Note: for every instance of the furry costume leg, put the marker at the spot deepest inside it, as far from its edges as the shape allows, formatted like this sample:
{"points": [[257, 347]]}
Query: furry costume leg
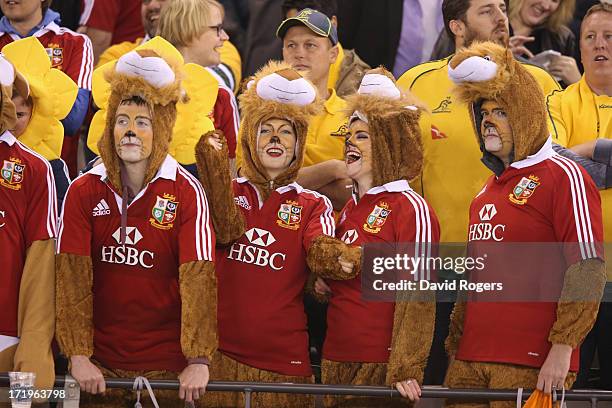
{"points": [[224, 368], [466, 374], [126, 398], [333, 372]]}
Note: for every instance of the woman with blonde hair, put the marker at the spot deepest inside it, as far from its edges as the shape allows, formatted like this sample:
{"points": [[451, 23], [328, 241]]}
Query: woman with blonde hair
{"points": [[541, 25]]}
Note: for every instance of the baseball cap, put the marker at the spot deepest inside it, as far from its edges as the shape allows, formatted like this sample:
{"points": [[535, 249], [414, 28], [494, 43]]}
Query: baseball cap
{"points": [[316, 21]]}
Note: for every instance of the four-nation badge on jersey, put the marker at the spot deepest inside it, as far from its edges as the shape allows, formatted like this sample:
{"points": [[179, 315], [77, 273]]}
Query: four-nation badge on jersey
{"points": [[289, 215], [164, 212], [377, 218], [524, 189], [12, 173]]}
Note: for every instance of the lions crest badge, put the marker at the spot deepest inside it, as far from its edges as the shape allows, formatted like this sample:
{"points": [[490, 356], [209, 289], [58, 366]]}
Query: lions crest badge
{"points": [[377, 218], [524, 189], [164, 212], [12, 173], [56, 55], [289, 215]]}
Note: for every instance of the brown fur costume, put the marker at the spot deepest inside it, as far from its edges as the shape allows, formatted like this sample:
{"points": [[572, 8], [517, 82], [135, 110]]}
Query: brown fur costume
{"points": [[229, 223], [197, 282], [35, 318], [396, 140], [224, 368], [518, 93], [463, 374]]}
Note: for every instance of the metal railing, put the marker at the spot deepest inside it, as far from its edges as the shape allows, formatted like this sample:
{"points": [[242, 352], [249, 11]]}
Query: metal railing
{"points": [[593, 396]]}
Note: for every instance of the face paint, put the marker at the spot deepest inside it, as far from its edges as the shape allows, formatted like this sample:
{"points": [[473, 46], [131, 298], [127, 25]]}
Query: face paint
{"points": [[276, 145], [495, 131], [358, 150], [133, 133], [24, 114]]}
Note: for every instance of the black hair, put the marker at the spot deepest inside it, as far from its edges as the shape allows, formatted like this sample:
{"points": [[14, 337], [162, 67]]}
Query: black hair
{"points": [[454, 10], [134, 99]]}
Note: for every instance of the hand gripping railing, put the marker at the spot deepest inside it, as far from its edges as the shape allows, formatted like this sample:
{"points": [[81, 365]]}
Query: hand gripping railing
{"points": [[594, 396]]}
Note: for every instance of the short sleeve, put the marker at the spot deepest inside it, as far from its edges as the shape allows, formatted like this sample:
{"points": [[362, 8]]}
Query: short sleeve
{"points": [[556, 125], [196, 236], [75, 222], [321, 221], [577, 213], [41, 218]]}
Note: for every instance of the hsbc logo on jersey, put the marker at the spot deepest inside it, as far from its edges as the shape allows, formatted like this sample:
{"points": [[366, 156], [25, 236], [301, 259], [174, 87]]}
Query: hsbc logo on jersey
{"points": [[256, 253], [485, 231], [127, 255], [487, 212], [350, 236]]}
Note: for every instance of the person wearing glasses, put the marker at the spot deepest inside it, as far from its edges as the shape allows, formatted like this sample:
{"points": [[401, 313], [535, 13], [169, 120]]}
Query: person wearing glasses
{"points": [[195, 28], [228, 72]]}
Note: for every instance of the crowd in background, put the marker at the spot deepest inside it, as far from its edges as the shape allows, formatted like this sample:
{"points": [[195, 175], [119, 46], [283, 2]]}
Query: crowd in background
{"points": [[411, 38]]}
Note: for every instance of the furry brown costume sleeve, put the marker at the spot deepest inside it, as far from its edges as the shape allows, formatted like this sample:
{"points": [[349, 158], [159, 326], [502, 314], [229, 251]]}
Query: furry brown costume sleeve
{"points": [[583, 287], [36, 315], [74, 304], [198, 288], [323, 256], [413, 329], [214, 173], [455, 329]]}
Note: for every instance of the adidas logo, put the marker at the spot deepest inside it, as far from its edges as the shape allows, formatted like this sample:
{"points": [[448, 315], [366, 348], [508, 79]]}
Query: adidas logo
{"points": [[101, 209]]}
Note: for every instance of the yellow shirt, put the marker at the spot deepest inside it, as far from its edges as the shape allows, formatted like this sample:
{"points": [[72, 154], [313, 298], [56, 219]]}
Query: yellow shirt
{"points": [[576, 116], [325, 139], [452, 171]]}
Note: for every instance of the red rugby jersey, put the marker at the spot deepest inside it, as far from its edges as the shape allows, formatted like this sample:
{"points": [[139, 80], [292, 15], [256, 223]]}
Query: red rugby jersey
{"points": [[261, 278], [545, 198], [71, 53], [120, 17], [137, 304], [28, 213], [358, 330]]}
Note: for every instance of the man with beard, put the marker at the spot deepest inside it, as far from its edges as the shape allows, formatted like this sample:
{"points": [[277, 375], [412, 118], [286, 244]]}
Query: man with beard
{"points": [[451, 176]]}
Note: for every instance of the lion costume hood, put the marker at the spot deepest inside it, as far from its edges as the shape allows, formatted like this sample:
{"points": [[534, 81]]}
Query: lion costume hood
{"points": [[487, 71], [393, 119], [277, 91], [145, 74], [10, 78]]}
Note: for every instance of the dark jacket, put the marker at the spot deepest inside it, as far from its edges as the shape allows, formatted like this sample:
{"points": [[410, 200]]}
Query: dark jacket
{"points": [[372, 29]]}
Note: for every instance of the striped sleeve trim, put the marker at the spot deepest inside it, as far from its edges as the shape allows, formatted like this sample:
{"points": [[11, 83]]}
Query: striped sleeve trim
{"points": [[51, 218], [327, 217], [580, 206], [423, 234], [203, 234]]}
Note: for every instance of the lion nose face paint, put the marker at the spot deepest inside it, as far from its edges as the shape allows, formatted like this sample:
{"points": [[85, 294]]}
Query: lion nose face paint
{"points": [[495, 130], [133, 132], [276, 144]]}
